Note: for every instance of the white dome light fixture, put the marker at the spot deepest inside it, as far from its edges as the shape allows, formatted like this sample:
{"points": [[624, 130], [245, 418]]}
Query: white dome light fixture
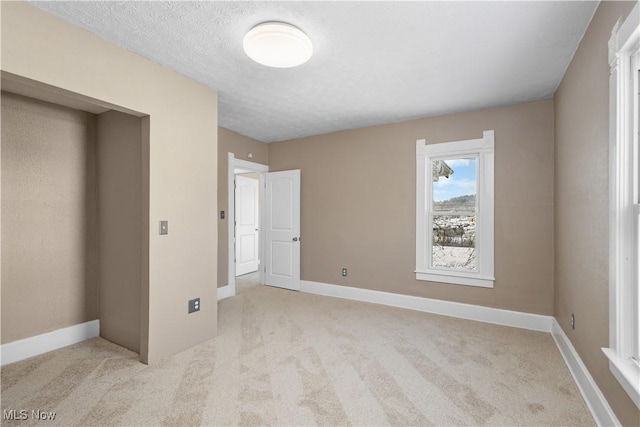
{"points": [[279, 45]]}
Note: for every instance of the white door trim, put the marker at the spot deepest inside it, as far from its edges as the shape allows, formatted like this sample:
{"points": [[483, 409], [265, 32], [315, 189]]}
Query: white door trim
{"points": [[234, 163]]}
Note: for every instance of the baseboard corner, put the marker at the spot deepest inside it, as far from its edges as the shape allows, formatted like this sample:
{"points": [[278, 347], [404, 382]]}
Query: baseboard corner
{"points": [[595, 400], [224, 292]]}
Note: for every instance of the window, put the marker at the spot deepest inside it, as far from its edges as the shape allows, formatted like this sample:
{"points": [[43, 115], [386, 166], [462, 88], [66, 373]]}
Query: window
{"points": [[454, 211], [624, 176]]}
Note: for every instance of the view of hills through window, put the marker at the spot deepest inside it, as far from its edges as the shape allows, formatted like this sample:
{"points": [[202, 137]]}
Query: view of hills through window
{"points": [[453, 210]]}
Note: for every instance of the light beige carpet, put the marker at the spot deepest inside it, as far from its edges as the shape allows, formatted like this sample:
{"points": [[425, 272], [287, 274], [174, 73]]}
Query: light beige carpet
{"points": [[288, 358]]}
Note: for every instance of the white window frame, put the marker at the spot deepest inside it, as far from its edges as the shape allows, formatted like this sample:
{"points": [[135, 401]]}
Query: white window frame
{"points": [[624, 300], [483, 150]]}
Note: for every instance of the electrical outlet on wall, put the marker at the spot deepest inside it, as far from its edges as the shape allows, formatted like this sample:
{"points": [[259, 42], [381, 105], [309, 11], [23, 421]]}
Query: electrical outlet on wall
{"points": [[573, 321], [344, 272], [194, 305]]}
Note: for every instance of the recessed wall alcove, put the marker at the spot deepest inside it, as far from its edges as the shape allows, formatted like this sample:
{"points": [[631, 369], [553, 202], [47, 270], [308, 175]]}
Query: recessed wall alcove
{"points": [[75, 214], [180, 117]]}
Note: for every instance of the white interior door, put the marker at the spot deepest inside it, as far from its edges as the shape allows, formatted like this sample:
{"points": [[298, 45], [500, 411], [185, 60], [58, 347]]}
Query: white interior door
{"points": [[247, 225], [282, 234]]}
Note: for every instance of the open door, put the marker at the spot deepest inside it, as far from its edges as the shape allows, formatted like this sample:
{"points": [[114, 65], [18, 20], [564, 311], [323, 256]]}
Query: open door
{"points": [[282, 234], [247, 223]]}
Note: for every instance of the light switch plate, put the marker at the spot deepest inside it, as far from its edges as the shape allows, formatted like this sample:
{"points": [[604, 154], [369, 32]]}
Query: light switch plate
{"points": [[164, 227]]}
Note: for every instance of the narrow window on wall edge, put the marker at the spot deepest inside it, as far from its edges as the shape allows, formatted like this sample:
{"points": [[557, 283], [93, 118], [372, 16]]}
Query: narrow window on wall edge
{"points": [[624, 204], [454, 211]]}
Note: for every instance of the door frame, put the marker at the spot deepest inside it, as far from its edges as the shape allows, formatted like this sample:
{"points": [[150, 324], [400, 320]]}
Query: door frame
{"points": [[246, 166]]}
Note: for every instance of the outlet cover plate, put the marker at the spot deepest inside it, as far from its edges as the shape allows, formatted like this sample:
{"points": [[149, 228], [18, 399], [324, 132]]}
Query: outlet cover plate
{"points": [[194, 305]]}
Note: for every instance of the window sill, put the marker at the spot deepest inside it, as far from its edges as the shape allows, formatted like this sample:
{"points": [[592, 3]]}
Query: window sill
{"points": [[482, 282], [626, 372]]}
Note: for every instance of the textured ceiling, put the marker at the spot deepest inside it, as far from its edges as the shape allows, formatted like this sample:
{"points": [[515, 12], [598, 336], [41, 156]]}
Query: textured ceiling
{"points": [[373, 62]]}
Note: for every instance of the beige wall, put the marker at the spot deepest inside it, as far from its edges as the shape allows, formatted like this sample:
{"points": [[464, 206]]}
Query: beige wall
{"points": [[240, 145], [49, 218], [358, 205], [181, 161], [120, 227], [582, 203]]}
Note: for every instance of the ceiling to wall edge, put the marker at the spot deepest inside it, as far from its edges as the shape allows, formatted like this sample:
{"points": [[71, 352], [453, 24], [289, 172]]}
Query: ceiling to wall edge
{"points": [[24, 86]]}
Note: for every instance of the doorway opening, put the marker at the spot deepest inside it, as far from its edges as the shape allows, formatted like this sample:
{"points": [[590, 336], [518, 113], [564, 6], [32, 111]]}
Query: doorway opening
{"points": [[279, 225], [247, 222], [246, 213]]}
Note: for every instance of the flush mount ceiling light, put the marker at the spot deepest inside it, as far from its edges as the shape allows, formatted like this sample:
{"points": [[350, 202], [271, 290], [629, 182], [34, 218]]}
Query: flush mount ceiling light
{"points": [[279, 45]]}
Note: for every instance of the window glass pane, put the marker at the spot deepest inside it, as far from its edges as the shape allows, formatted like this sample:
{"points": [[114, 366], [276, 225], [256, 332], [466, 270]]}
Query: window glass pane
{"points": [[454, 185], [636, 183], [637, 141], [454, 242], [636, 280]]}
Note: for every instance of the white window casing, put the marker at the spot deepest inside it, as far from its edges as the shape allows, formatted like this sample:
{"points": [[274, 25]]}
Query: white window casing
{"points": [[624, 301], [481, 149]]}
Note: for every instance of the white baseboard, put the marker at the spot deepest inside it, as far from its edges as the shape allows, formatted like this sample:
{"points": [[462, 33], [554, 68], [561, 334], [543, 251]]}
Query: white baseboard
{"points": [[594, 398], [33, 346], [224, 292], [536, 322], [598, 405]]}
